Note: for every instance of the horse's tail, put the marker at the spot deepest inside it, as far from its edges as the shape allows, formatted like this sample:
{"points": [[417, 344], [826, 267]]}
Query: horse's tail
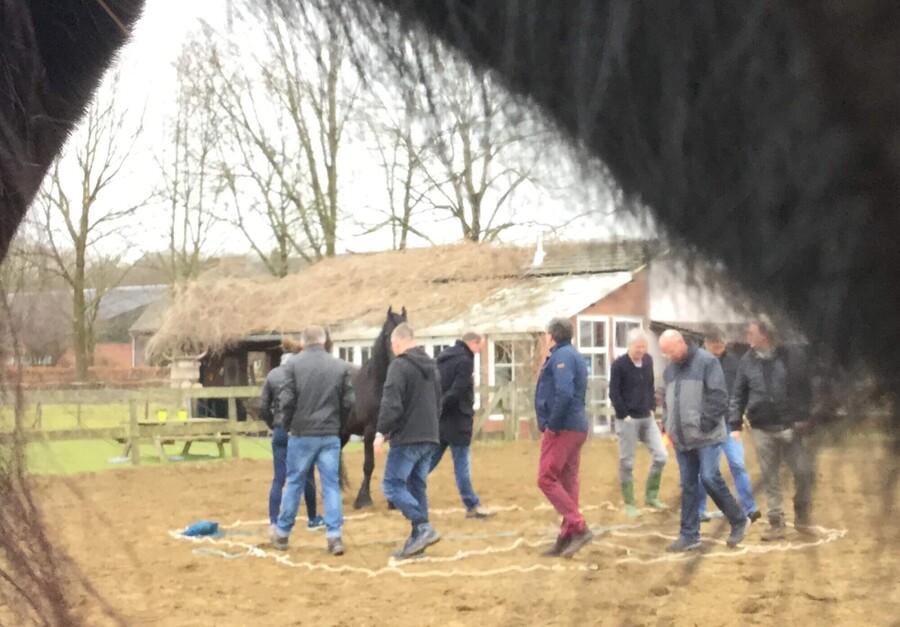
{"points": [[342, 467]]}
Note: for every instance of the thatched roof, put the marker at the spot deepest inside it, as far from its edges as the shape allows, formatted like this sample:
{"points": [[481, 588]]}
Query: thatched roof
{"points": [[435, 284]]}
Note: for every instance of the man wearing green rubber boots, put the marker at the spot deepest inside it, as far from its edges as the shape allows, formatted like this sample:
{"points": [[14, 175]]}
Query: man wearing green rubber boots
{"points": [[633, 396]]}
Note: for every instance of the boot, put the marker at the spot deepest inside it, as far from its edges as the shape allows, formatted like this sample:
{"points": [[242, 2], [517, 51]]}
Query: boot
{"points": [[802, 523], [576, 542], [557, 549], [335, 546], [651, 498], [628, 497], [776, 530]]}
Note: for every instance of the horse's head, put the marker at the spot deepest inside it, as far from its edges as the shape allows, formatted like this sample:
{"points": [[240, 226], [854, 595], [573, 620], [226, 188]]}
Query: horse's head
{"points": [[391, 322]]}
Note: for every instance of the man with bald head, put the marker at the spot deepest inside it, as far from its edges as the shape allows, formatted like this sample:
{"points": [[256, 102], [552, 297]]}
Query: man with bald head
{"points": [[409, 419], [695, 405]]}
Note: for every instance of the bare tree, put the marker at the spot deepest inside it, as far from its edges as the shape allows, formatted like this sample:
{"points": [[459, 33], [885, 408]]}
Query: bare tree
{"points": [[78, 219], [37, 309], [286, 116], [399, 142], [189, 186], [480, 155]]}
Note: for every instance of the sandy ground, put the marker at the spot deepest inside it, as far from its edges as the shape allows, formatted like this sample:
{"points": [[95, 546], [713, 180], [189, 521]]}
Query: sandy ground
{"points": [[116, 526]]}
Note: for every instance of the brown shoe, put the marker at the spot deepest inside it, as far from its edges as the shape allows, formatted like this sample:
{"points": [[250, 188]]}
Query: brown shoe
{"points": [[478, 513], [576, 542], [335, 546], [806, 529], [774, 532], [557, 548]]}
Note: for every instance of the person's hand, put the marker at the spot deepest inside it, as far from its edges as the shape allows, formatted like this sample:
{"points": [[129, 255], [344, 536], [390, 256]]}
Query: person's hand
{"points": [[378, 444], [736, 436]]}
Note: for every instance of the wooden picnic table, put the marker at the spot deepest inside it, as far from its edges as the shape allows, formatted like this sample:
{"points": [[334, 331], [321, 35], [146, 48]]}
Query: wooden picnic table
{"points": [[187, 430], [161, 433]]}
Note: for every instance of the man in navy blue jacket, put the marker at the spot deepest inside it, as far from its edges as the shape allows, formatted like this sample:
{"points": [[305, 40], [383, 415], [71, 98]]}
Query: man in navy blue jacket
{"points": [[633, 396], [456, 365], [559, 404]]}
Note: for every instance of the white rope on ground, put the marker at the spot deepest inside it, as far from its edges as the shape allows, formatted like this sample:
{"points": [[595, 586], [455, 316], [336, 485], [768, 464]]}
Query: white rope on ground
{"points": [[434, 512], [823, 534], [253, 551], [397, 567]]}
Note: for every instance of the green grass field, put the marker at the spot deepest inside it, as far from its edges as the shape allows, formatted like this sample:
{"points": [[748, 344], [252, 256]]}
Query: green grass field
{"points": [[55, 417], [63, 458]]}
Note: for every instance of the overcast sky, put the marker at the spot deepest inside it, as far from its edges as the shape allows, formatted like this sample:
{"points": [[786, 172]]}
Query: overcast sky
{"points": [[147, 84]]}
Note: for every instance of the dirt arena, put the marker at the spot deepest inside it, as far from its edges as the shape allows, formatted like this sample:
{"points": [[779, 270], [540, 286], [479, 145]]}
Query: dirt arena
{"points": [[116, 526]]}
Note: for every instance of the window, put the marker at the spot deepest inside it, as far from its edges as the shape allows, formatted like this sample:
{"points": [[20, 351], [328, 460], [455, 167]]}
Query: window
{"points": [[593, 344], [436, 349], [347, 353], [365, 354], [591, 333], [478, 382], [624, 326], [257, 367], [513, 361]]}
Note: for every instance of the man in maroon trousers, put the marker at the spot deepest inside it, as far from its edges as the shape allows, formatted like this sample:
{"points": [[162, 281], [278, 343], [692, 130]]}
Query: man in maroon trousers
{"points": [[559, 404]]}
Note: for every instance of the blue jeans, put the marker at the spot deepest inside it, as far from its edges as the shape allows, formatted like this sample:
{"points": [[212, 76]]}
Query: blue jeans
{"points": [[734, 454], [279, 463], [698, 465], [462, 470], [405, 476], [302, 453]]}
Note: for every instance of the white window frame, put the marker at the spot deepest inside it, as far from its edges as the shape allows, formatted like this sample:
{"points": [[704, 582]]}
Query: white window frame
{"points": [[430, 342], [347, 347], [589, 351], [357, 347], [492, 363], [624, 347], [476, 375]]}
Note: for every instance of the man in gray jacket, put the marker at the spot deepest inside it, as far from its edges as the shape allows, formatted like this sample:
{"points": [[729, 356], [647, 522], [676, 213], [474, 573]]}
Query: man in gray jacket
{"points": [[694, 408], [316, 401]]}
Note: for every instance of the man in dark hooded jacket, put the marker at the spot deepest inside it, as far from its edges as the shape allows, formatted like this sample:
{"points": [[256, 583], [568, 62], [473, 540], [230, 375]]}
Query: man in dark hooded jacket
{"points": [[456, 366], [408, 419]]}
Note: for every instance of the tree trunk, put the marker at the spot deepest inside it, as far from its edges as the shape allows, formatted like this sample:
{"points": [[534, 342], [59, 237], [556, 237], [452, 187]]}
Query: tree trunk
{"points": [[79, 334]]}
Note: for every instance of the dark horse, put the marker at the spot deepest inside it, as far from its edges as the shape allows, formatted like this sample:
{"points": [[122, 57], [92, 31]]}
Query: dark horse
{"points": [[368, 382]]}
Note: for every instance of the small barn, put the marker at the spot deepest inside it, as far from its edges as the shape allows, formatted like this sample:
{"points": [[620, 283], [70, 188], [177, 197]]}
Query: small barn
{"points": [[507, 293]]}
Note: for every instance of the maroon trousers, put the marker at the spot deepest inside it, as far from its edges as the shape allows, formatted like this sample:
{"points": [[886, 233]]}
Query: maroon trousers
{"points": [[558, 476]]}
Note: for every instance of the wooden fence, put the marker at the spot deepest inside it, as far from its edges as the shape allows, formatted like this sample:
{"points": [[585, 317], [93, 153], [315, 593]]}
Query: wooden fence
{"points": [[175, 425], [515, 403]]}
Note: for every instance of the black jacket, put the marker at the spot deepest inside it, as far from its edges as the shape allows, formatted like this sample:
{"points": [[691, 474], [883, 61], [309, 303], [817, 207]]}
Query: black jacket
{"points": [[317, 396], [730, 365], [456, 366], [774, 392], [269, 405], [411, 404], [631, 389]]}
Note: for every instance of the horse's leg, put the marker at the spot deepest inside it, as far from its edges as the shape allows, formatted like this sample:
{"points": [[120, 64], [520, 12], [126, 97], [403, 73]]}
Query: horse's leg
{"points": [[364, 498]]}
